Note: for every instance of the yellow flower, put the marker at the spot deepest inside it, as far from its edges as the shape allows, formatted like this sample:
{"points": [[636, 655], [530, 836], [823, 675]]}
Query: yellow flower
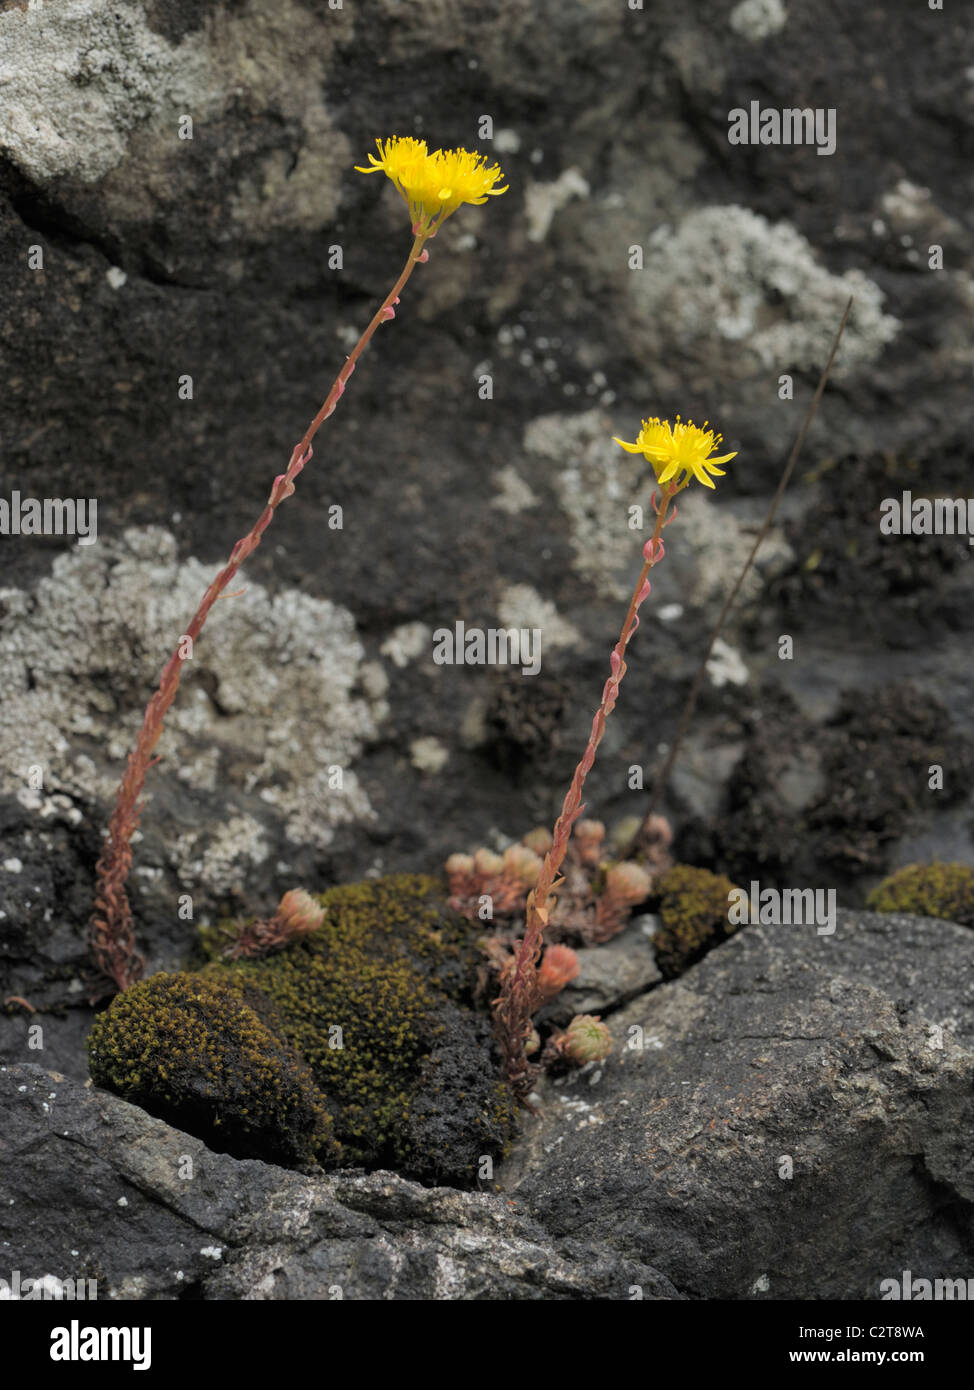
{"points": [[434, 185], [679, 451]]}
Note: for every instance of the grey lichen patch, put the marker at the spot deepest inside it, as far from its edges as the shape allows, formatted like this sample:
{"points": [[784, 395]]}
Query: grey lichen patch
{"points": [[513, 493], [89, 86], [917, 220], [520, 606], [597, 484], [219, 858], [407, 642], [725, 665], [77, 78], [757, 19], [279, 52], [265, 705], [428, 754], [543, 201], [716, 542], [728, 274]]}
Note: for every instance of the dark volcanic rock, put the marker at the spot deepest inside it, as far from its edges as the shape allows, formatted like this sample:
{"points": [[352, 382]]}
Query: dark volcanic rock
{"points": [[94, 1188], [796, 1123], [213, 258]]}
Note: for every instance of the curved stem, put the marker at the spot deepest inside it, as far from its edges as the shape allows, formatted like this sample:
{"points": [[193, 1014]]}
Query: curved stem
{"points": [[112, 933], [518, 998]]}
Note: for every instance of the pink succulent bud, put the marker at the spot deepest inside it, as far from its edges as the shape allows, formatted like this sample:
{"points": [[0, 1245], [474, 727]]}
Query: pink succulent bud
{"points": [[298, 913], [590, 834], [590, 831], [559, 967], [487, 864], [459, 865], [538, 839], [523, 864], [627, 883], [586, 1039]]}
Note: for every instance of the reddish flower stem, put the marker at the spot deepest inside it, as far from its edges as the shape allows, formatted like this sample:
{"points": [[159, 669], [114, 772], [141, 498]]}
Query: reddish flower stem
{"points": [[520, 997], [112, 932]]}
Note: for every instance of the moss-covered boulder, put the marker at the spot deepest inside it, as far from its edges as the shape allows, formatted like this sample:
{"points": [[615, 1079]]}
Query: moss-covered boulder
{"points": [[203, 1054], [361, 1044], [693, 904], [928, 890]]}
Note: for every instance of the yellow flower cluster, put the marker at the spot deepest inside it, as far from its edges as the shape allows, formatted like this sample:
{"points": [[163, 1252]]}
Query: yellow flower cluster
{"points": [[679, 451], [434, 185]]}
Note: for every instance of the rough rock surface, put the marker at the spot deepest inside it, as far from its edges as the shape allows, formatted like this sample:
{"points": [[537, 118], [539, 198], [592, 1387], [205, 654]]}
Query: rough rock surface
{"points": [[663, 1170], [214, 258], [793, 1120], [94, 1188]]}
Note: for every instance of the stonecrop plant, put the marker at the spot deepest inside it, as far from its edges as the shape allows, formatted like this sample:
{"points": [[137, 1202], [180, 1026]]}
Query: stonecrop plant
{"points": [[678, 454], [528, 878], [434, 184]]}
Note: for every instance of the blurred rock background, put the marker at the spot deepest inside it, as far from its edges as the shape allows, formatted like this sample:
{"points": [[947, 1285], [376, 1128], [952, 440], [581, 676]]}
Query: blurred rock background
{"points": [[209, 257]]}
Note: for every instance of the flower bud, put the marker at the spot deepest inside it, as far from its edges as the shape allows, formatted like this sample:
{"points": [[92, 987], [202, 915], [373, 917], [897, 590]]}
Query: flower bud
{"points": [[487, 863], [298, 913], [586, 1039], [590, 834], [459, 866], [627, 883], [538, 839], [533, 1043], [523, 864], [559, 967], [590, 831]]}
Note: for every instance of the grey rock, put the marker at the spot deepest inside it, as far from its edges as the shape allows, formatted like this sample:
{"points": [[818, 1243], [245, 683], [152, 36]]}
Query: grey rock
{"points": [[793, 1125], [664, 1168], [93, 1188], [165, 256]]}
